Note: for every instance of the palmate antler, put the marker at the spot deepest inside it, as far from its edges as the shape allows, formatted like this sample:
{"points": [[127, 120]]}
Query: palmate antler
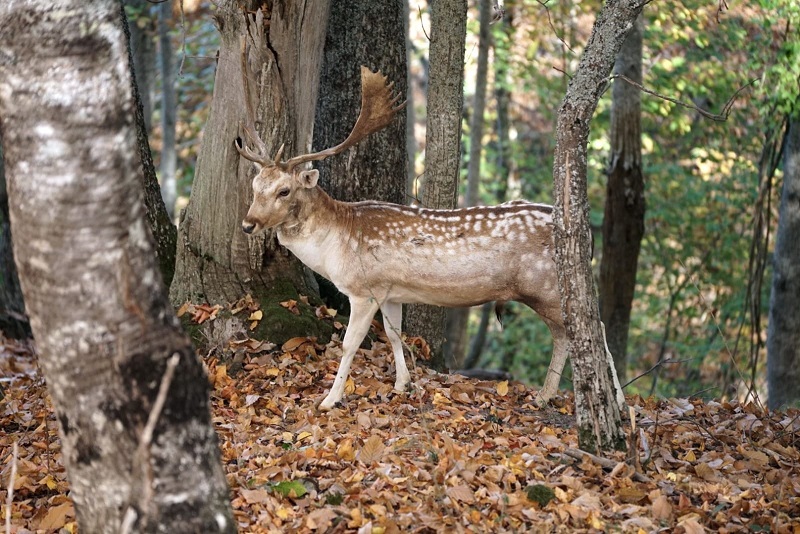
{"points": [[378, 108]]}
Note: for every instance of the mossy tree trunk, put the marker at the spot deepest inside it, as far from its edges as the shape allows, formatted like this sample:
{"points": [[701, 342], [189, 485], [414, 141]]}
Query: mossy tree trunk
{"points": [[13, 322], [216, 261], [164, 232]]}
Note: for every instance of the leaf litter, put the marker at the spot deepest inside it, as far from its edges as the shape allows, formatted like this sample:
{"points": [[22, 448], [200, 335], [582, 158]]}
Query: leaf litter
{"points": [[452, 454]]}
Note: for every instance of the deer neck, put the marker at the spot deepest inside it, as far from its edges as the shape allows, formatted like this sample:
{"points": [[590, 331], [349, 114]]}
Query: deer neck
{"points": [[314, 227]]}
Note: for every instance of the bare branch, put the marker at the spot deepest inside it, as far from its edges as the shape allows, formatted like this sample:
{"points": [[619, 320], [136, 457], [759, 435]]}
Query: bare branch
{"points": [[11, 480], [605, 463], [552, 26], [721, 117]]}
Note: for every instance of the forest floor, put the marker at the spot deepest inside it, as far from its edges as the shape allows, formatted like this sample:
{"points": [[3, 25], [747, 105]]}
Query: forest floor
{"points": [[452, 455]]}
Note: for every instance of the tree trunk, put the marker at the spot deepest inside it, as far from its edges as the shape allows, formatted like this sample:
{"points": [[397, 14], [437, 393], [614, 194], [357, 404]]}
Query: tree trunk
{"points": [[216, 261], [370, 34], [443, 144], [598, 414], [458, 318], [13, 322], [161, 226], [623, 223], [142, 28], [169, 155], [137, 441], [783, 332], [411, 139], [502, 162]]}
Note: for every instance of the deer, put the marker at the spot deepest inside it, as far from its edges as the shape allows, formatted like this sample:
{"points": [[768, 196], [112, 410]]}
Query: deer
{"points": [[383, 255]]}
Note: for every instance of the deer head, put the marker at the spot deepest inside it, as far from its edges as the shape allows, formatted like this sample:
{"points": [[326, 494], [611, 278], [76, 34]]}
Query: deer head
{"points": [[278, 186]]}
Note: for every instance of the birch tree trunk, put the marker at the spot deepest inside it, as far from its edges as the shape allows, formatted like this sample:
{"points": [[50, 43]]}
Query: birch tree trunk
{"points": [[216, 261], [623, 222], [598, 415], [137, 441], [443, 145], [783, 332]]}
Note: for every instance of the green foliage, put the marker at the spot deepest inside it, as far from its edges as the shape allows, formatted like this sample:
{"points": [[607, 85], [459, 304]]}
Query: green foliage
{"points": [[701, 176]]}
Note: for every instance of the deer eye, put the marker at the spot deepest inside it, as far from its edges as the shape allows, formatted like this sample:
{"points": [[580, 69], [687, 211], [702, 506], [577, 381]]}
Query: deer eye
{"points": [[284, 192]]}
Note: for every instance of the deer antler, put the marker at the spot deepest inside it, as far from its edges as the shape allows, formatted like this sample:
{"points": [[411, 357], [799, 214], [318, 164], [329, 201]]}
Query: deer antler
{"points": [[378, 108], [249, 124]]}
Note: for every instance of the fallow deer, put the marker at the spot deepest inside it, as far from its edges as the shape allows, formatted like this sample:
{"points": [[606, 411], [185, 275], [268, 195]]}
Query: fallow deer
{"points": [[382, 255]]}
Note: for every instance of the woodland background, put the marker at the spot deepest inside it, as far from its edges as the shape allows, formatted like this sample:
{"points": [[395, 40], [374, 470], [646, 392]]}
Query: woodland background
{"points": [[704, 276], [720, 89]]}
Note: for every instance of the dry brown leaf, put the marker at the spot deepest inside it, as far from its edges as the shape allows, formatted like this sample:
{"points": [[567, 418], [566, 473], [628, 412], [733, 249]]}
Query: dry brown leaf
{"points": [[57, 516], [372, 451], [256, 496], [461, 493], [293, 343], [320, 519], [662, 509]]}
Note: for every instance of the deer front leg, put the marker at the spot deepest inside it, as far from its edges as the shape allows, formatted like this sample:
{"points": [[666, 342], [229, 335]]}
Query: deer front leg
{"points": [[361, 313], [392, 323]]}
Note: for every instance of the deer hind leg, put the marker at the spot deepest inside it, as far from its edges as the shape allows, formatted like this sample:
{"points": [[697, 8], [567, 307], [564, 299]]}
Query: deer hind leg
{"points": [[392, 323], [552, 318], [557, 362], [362, 310]]}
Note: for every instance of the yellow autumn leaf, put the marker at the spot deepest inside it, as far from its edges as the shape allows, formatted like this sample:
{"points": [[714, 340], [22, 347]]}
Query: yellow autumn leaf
{"points": [[345, 450], [349, 386], [502, 388], [256, 316], [303, 435]]}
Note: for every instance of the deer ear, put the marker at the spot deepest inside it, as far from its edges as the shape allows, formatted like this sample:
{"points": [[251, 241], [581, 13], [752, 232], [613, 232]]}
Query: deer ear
{"points": [[308, 178]]}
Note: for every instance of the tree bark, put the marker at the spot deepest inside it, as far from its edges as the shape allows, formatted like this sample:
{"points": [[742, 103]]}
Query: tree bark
{"points": [[370, 34], [443, 145], [623, 223], [169, 155], [98, 306], [158, 219], [216, 261], [458, 318], [13, 321], [142, 28], [411, 138], [783, 332], [598, 414]]}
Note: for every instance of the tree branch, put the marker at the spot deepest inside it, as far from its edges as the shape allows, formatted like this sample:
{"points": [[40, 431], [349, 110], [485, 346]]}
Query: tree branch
{"points": [[721, 117]]}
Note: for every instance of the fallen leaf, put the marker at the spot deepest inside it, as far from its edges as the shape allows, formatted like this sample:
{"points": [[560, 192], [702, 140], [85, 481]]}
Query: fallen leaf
{"points": [[57, 516], [461, 493], [502, 388], [372, 451]]}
